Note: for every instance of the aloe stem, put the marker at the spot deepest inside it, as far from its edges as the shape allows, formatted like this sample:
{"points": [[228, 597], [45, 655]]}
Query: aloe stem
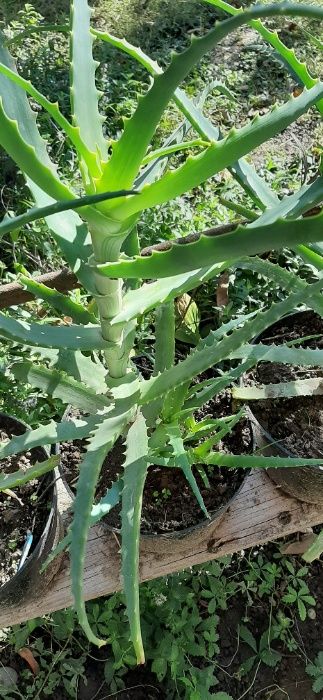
{"points": [[109, 298]]}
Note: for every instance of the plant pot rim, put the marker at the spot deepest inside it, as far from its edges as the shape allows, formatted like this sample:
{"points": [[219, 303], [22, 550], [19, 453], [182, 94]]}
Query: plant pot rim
{"points": [[173, 535], [52, 528]]}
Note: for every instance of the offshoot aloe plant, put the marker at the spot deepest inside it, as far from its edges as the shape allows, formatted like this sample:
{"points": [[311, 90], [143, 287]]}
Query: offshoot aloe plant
{"points": [[88, 363]]}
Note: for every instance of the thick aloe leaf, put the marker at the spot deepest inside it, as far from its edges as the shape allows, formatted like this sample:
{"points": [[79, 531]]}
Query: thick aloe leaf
{"points": [[203, 428], [279, 353], [295, 204], [69, 337], [285, 279], [182, 461], [240, 209], [300, 387], [182, 257], [83, 368], [71, 234], [216, 351], [255, 186], [84, 95], [313, 38], [60, 386], [203, 394], [175, 148], [139, 301], [191, 111], [131, 147], [18, 478], [315, 550], [259, 462], [135, 470], [27, 159], [17, 108], [310, 256], [99, 446], [218, 156], [244, 173], [68, 228], [225, 329], [99, 511], [298, 68], [77, 312], [10, 224], [53, 110], [204, 448], [36, 29], [49, 434]]}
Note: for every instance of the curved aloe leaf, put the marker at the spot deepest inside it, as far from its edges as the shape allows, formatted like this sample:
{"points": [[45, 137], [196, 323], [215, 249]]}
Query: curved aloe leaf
{"points": [[310, 256], [204, 447], [77, 312], [191, 111], [204, 393], [17, 107], [256, 187], [25, 155], [72, 132], [49, 434], [135, 470], [68, 228], [99, 446], [182, 461], [60, 386], [279, 353], [69, 337], [182, 257], [315, 550], [84, 95], [71, 234], [10, 224], [175, 148], [218, 156], [83, 368], [36, 29], [243, 172], [288, 55], [295, 204], [18, 478], [99, 511], [215, 351], [131, 147], [259, 462], [285, 279], [299, 387]]}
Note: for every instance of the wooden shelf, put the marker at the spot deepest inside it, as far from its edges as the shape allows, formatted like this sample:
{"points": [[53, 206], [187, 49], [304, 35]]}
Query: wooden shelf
{"points": [[260, 513]]}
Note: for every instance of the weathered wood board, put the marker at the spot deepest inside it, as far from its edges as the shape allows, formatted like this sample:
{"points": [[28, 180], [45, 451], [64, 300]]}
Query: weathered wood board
{"points": [[260, 513]]}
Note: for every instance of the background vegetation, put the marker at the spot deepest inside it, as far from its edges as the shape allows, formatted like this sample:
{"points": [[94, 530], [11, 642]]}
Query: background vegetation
{"points": [[231, 626]]}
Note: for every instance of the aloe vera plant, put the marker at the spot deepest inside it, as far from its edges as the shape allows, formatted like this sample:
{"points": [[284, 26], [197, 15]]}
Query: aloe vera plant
{"points": [[88, 364]]}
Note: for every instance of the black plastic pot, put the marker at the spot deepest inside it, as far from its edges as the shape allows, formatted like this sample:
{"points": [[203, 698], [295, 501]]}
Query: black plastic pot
{"points": [[304, 483], [29, 583], [176, 540]]}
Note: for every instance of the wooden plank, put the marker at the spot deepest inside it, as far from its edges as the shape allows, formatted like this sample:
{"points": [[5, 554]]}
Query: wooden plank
{"points": [[260, 513]]}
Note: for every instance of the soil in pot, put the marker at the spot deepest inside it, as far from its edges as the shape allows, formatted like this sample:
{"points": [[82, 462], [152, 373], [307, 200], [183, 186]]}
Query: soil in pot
{"points": [[295, 423], [169, 504], [23, 510]]}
